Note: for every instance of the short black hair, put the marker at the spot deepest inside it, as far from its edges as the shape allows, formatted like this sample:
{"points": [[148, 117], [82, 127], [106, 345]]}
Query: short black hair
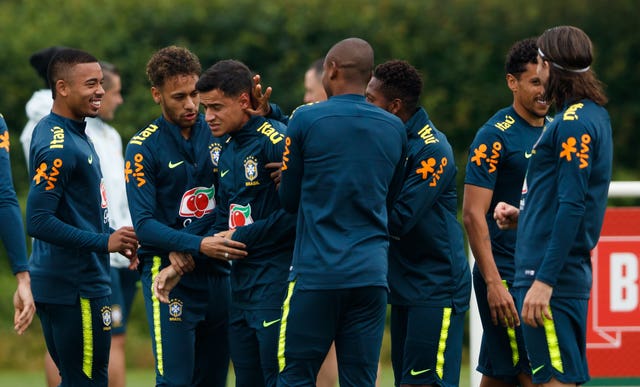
{"points": [[520, 54], [62, 61], [40, 59], [399, 80], [230, 76]]}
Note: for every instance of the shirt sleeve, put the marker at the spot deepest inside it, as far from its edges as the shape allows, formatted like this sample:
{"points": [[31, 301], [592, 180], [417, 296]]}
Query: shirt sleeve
{"points": [[292, 167], [45, 195], [277, 114], [428, 174], [141, 183], [12, 229], [572, 182], [485, 154]]}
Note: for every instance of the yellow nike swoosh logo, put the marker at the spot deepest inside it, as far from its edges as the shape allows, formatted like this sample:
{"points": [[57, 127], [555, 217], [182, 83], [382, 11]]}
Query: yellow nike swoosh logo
{"points": [[535, 370], [90, 159], [527, 155], [173, 165], [415, 373], [224, 173], [268, 323]]}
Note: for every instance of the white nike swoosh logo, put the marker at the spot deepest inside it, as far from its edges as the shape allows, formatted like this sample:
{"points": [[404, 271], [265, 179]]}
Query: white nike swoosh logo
{"points": [[90, 159], [224, 173], [173, 165], [527, 155]]}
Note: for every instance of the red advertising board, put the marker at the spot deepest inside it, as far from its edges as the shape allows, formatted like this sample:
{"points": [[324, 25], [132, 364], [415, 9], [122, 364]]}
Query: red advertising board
{"points": [[613, 330]]}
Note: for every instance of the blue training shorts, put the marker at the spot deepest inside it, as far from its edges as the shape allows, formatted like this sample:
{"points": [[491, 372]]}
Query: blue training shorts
{"points": [[502, 352], [559, 348], [426, 345]]}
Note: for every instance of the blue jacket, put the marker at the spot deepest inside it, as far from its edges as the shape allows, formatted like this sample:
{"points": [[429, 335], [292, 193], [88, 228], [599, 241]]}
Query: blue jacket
{"points": [[427, 263], [66, 214], [564, 199], [342, 166], [12, 228], [249, 204], [171, 189]]}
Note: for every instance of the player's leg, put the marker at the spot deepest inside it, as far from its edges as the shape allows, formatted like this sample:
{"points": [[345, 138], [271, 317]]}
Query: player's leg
{"points": [[307, 329], [79, 341], [245, 352], [502, 354], [557, 350], [359, 335], [212, 334], [328, 374], [51, 369], [398, 325], [433, 347], [171, 328], [266, 324]]}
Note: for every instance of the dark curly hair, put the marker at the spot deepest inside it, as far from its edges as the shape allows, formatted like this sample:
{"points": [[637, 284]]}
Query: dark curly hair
{"points": [[520, 54], [171, 61], [399, 80]]}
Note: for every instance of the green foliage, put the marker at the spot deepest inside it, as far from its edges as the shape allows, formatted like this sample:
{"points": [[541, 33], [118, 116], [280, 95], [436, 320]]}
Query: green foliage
{"points": [[458, 45]]}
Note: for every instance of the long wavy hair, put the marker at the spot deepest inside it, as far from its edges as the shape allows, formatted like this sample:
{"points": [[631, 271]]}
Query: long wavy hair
{"points": [[570, 53]]}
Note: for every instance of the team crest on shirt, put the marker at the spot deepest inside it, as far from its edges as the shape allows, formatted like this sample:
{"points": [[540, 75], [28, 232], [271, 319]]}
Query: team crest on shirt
{"points": [[175, 310], [214, 150], [251, 171], [106, 318]]}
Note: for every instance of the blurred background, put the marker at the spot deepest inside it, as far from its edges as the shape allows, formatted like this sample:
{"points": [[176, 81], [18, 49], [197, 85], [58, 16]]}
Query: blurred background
{"points": [[458, 45]]}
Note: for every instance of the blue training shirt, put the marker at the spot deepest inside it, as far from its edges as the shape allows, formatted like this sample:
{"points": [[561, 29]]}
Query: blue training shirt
{"points": [[498, 159], [171, 189], [66, 214], [12, 228], [427, 263], [249, 204], [564, 198], [342, 168]]}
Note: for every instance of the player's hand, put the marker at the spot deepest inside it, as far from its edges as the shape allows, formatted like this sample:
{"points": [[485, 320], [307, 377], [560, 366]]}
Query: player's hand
{"points": [[502, 307], [277, 172], [182, 262], [123, 241], [164, 282], [506, 216], [23, 305], [219, 247], [535, 308], [134, 262], [259, 101]]}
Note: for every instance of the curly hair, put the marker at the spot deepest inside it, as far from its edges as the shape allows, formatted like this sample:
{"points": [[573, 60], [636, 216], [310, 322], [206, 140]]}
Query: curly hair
{"points": [[171, 61], [520, 54], [399, 80]]}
